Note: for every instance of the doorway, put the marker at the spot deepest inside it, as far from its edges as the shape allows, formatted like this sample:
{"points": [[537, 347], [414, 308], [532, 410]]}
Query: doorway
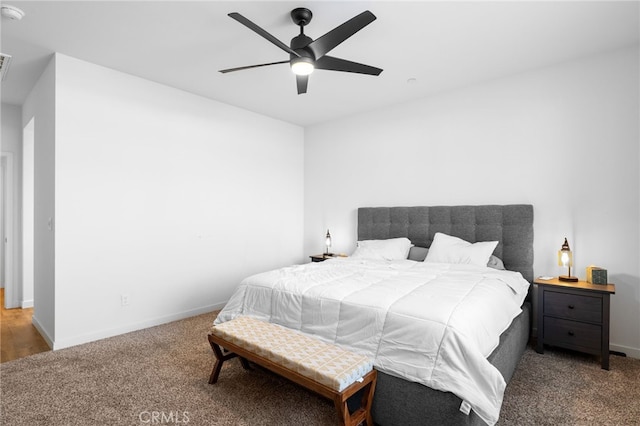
{"points": [[7, 229]]}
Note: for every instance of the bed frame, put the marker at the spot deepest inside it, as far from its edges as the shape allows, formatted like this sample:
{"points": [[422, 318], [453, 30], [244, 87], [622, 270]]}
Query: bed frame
{"points": [[399, 402]]}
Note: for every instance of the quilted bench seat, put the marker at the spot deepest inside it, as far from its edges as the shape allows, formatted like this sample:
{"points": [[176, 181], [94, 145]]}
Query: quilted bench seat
{"points": [[319, 366]]}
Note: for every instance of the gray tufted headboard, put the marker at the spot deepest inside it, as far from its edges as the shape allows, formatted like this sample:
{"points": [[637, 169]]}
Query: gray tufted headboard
{"points": [[511, 225]]}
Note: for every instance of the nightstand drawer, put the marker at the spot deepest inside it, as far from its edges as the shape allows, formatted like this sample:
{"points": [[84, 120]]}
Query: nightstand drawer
{"points": [[572, 334], [573, 306]]}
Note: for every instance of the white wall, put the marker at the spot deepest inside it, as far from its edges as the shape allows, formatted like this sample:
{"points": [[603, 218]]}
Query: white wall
{"points": [[564, 139], [10, 141], [41, 104], [163, 196]]}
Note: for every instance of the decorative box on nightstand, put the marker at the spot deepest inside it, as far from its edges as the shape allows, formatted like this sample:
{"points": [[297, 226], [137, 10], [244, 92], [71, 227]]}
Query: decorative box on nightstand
{"points": [[574, 315]]}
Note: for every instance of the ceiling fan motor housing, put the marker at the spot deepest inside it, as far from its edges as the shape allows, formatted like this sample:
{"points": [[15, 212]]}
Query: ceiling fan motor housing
{"points": [[299, 43]]}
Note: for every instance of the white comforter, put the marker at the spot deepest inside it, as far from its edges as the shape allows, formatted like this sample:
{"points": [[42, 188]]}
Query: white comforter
{"points": [[431, 323]]}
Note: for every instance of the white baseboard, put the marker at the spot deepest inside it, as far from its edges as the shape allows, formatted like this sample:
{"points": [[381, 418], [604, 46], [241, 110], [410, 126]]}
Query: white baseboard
{"points": [[42, 331], [103, 334], [26, 304], [628, 351]]}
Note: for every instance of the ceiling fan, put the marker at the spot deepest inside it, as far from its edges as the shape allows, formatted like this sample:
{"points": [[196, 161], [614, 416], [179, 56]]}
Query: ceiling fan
{"points": [[305, 54]]}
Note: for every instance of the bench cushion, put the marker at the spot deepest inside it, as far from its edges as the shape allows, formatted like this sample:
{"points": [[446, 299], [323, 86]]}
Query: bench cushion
{"points": [[322, 362]]}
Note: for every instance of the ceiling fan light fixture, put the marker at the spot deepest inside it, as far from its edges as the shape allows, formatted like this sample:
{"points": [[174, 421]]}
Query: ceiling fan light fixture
{"points": [[302, 66]]}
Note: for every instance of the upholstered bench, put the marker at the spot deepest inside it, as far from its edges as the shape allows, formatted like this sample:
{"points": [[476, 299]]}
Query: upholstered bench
{"points": [[321, 367]]}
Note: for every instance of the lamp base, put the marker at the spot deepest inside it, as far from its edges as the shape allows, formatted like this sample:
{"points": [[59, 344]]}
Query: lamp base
{"points": [[568, 278]]}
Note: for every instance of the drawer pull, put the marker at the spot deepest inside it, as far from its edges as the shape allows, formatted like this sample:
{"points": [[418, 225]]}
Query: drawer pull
{"points": [[571, 307], [570, 333]]}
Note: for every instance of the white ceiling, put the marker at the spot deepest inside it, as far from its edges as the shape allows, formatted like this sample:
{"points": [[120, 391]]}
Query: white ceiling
{"points": [[443, 45]]}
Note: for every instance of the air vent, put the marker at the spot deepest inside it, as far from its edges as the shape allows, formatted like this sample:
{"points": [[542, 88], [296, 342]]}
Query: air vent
{"points": [[5, 61]]}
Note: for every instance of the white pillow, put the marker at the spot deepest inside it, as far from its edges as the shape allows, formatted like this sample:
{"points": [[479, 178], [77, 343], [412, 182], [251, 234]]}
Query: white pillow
{"points": [[392, 249], [496, 263], [448, 249]]}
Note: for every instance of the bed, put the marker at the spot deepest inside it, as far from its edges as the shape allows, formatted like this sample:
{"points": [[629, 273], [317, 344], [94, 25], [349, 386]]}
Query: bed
{"points": [[374, 306]]}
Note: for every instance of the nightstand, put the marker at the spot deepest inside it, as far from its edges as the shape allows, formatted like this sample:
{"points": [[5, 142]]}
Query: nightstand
{"points": [[574, 315], [321, 257]]}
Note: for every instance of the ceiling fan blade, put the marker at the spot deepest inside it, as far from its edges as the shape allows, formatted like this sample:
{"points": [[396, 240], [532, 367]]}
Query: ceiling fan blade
{"points": [[337, 64], [324, 44], [302, 81], [247, 23], [251, 66]]}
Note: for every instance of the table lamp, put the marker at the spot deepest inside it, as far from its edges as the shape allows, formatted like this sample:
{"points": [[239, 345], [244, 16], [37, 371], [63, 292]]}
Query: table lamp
{"points": [[565, 258], [327, 243]]}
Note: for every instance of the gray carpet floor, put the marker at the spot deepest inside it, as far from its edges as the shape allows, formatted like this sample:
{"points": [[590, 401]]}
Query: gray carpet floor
{"points": [[159, 376]]}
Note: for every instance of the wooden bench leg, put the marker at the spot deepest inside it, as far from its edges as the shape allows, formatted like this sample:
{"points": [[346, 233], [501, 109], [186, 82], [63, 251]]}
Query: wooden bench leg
{"points": [[245, 363], [363, 414], [344, 419], [220, 358], [367, 400]]}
